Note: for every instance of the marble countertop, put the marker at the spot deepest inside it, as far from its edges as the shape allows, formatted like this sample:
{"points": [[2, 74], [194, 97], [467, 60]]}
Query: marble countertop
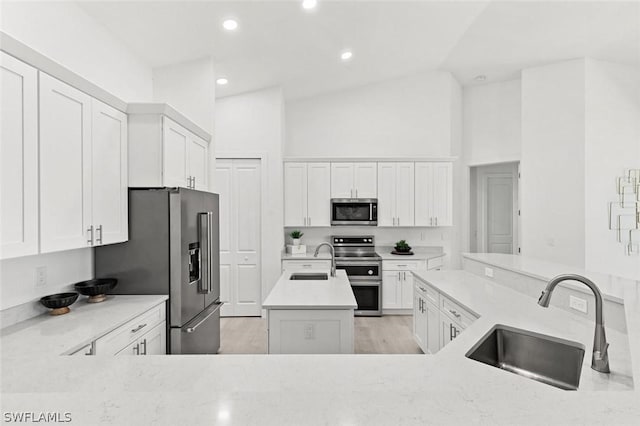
{"points": [[47, 335], [613, 288], [420, 253], [445, 388], [334, 293]]}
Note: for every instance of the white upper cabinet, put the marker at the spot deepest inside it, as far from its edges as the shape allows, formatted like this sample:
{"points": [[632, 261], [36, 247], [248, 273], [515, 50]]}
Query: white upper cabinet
{"points": [[175, 153], [18, 158], [83, 169], [434, 194], [162, 153], [307, 194], [396, 194], [109, 174], [354, 180], [65, 167]]}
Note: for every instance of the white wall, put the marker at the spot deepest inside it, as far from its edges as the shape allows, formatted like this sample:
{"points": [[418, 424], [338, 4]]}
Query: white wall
{"points": [[553, 163], [65, 33], [190, 88], [410, 116], [250, 124], [492, 123], [612, 145]]}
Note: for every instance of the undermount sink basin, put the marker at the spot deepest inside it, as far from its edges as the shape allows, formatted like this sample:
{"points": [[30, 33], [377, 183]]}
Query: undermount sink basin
{"points": [[556, 362], [306, 276]]}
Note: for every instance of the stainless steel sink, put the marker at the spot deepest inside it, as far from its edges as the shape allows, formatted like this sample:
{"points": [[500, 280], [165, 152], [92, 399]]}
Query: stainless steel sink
{"points": [[305, 276], [556, 362]]}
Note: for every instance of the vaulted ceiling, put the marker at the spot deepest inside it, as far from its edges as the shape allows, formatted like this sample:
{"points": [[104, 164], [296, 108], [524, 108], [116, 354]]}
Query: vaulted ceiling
{"points": [[278, 43]]}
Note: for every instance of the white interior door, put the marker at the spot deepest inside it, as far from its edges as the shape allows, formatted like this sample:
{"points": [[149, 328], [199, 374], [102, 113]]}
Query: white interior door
{"points": [[109, 174], [65, 166], [239, 185], [499, 213], [18, 158]]}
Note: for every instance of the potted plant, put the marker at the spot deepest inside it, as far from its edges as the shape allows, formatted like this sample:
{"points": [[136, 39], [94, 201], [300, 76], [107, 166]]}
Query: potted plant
{"points": [[295, 237], [402, 247]]}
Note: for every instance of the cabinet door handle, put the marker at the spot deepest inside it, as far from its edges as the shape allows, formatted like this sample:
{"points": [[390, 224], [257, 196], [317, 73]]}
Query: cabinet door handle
{"points": [[144, 343], [398, 221], [138, 328], [90, 231], [436, 220], [307, 266], [308, 221], [455, 313], [194, 183], [420, 304], [136, 349], [356, 192], [451, 332], [99, 239]]}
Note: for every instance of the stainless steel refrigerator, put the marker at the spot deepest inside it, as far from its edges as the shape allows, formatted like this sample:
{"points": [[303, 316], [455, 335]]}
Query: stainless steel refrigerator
{"points": [[173, 249]]}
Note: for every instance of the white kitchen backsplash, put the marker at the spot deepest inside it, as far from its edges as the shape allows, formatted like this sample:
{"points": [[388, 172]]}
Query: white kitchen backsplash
{"points": [[416, 237]]}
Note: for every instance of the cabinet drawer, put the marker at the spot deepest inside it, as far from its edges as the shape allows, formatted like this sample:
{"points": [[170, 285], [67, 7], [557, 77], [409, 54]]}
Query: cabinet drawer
{"points": [[456, 312], [306, 264], [119, 338], [396, 265], [429, 293], [434, 263]]}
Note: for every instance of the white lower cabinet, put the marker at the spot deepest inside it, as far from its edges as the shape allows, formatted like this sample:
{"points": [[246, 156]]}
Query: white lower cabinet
{"points": [[437, 320], [143, 335], [397, 282]]}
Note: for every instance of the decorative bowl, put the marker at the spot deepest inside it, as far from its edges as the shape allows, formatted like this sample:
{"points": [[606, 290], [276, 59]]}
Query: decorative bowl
{"points": [[96, 289], [59, 303]]}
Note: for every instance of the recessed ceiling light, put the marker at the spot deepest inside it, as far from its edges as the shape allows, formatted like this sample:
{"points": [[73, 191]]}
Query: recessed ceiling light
{"points": [[222, 81], [480, 77], [309, 4], [346, 55], [230, 24]]}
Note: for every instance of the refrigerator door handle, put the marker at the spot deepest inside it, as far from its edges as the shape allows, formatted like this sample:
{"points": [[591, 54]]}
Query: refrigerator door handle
{"points": [[191, 326], [206, 250]]}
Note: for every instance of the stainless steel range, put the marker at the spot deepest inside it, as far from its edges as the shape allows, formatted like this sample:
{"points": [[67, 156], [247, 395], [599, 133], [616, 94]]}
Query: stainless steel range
{"points": [[357, 256]]}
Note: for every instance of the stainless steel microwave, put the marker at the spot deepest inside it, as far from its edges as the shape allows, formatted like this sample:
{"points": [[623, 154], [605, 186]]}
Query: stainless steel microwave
{"points": [[354, 211]]}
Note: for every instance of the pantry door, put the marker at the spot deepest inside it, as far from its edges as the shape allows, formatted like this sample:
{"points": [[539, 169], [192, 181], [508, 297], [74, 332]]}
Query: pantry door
{"points": [[238, 181]]}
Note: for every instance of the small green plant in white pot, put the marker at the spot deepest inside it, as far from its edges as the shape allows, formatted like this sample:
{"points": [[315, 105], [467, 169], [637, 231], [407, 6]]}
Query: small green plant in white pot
{"points": [[295, 237]]}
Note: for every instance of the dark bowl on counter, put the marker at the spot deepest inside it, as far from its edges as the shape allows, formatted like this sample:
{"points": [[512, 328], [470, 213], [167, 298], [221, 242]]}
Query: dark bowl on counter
{"points": [[96, 289], [59, 303]]}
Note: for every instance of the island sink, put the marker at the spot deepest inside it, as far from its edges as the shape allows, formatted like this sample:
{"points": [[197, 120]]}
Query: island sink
{"points": [[308, 276], [556, 362]]}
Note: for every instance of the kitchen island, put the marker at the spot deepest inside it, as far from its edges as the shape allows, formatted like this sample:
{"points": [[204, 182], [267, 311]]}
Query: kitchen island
{"points": [[310, 316]]}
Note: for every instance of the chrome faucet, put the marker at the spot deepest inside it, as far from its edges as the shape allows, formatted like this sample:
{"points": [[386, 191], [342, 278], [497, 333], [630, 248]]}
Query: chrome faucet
{"points": [[600, 357], [333, 256]]}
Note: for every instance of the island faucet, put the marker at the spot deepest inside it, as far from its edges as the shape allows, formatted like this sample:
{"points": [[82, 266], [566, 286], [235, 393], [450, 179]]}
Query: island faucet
{"points": [[333, 256], [600, 357]]}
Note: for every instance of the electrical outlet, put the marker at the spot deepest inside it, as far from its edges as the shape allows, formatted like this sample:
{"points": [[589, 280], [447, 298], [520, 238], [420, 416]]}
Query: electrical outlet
{"points": [[41, 276], [488, 272], [578, 304], [308, 332]]}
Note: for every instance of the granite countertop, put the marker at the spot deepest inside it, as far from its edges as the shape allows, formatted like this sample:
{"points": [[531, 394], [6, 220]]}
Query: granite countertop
{"points": [[445, 388], [333, 293], [419, 253], [46, 335]]}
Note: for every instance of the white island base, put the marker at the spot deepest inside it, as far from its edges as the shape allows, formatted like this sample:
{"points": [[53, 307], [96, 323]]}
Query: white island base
{"points": [[311, 317]]}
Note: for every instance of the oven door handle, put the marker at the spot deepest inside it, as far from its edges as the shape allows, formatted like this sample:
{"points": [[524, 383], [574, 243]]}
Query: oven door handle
{"points": [[366, 283], [359, 263]]}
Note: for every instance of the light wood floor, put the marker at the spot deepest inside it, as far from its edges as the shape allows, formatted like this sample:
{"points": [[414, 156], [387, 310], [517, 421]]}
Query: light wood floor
{"points": [[389, 334]]}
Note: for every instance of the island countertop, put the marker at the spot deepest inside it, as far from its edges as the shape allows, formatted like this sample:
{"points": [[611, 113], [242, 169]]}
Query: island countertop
{"points": [[333, 293]]}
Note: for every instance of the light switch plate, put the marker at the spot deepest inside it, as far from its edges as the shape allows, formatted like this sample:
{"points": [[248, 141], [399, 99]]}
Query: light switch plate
{"points": [[488, 272], [41, 276], [578, 304], [309, 332]]}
